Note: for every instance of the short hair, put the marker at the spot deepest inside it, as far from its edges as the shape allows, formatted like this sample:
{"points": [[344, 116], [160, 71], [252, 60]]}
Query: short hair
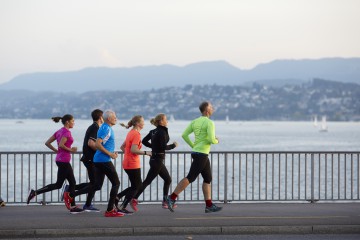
{"points": [[96, 114], [203, 106], [108, 113]]}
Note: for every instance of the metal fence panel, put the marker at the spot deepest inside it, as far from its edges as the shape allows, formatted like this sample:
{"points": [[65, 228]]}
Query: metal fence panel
{"points": [[237, 176]]}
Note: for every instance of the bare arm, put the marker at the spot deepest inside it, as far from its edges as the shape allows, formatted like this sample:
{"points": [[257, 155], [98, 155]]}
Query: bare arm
{"points": [[49, 145], [92, 144], [62, 145], [122, 147], [134, 149], [100, 147]]}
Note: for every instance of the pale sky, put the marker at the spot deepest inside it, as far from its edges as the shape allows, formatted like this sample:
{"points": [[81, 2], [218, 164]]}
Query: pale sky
{"points": [[64, 35]]}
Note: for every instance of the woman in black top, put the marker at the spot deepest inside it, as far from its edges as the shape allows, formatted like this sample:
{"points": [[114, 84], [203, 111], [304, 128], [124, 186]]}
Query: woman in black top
{"points": [[157, 140]]}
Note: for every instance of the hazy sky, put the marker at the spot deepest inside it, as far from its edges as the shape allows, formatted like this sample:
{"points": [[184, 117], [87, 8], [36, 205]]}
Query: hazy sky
{"points": [[61, 35]]}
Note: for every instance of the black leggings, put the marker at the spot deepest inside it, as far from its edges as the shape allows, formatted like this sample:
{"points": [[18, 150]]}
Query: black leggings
{"points": [[200, 165], [108, 169], [157, 167], [89, 187], [65, 171], [135, 186]]}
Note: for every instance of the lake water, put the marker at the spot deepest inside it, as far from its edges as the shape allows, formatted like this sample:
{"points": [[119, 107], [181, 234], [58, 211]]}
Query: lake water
{"points": [[31, 134]]}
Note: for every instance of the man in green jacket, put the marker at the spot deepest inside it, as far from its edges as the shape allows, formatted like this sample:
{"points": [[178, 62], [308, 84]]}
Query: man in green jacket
{"points": [[204, 131]]}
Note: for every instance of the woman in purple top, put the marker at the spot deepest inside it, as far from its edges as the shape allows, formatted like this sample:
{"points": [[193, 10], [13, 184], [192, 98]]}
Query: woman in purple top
{"points": [[64, 140]]}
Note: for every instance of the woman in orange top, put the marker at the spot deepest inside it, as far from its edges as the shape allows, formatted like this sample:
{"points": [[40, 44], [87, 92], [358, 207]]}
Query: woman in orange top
{"points": [[131, 163]]}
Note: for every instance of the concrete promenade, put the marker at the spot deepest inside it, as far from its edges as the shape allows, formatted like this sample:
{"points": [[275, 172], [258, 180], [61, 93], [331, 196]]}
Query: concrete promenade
{"points": [[236, 218]]}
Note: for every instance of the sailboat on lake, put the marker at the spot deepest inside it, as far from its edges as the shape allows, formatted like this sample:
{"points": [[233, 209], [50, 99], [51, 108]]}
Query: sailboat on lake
{"points": [[315, 121], [323, 127]]}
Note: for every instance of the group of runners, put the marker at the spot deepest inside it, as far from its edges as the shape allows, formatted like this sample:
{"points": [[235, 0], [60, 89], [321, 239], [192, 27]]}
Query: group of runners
{"points": [[99, 150]]}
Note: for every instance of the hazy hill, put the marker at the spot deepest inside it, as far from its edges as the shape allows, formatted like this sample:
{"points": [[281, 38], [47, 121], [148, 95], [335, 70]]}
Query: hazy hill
{"points": [[279, 72], [338, 101]]}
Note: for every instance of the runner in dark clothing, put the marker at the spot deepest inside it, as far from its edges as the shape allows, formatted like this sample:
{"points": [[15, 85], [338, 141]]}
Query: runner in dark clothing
{"points": [[157, 140], [89, 149]]}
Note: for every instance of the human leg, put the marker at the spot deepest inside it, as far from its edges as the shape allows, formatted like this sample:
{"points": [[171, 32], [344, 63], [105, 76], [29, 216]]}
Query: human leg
{"points": [[136, 185], [111, 173], [61, 175], [155, 167]]}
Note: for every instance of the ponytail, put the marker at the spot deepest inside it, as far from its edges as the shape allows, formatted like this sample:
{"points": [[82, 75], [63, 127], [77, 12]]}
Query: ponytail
{"points": [[156, 120], [56, 119], [64, 119], [125, 126], [135, 120]]}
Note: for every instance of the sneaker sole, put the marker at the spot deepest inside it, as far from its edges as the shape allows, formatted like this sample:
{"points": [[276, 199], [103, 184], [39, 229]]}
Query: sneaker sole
{"points": [[207, 211], [76, 212], [116, 216], [91, 210], [128, 214]]}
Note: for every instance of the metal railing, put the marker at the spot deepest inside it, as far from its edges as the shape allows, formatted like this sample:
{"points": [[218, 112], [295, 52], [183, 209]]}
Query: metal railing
{"points": [[237, 176]]}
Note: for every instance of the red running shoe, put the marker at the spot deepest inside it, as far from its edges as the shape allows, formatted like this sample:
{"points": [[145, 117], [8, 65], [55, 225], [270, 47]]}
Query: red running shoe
{"points": [[68, 200], [114, 213], [133, 204]]}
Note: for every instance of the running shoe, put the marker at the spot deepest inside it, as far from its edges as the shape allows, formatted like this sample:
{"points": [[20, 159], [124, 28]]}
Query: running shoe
{"points": [[170, 203], [133, 204], [213, 208], [2, 204], [165, 205], [125, 211], [68, 200], [32, 194], [65, 188], [114, 213], [90, 208], [76, 210]]}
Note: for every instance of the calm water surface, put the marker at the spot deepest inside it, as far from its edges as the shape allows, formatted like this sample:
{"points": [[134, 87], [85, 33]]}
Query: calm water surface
{"points": [[30, 135]]}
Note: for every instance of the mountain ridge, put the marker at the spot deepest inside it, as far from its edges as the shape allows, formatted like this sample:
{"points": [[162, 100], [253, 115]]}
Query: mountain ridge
{"points": [[282, 71]]}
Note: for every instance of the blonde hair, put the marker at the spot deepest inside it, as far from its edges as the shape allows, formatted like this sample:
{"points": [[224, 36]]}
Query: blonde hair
{"points": [[156, 120], [135, 120]]}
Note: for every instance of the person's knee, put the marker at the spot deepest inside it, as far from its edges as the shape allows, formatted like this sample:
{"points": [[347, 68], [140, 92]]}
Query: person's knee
{"points": [[115, 184], [58, 185], [208, 180], [191, 178], [96, 187], [139, 187], [167, 181]]}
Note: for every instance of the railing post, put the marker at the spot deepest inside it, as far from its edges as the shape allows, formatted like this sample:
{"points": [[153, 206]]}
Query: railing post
{"points": [[226, 179], [44, 179], [312, 179]]}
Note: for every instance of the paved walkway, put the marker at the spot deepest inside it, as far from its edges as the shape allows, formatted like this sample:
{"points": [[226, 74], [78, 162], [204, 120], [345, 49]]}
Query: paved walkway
{"points": [[246, 218]]}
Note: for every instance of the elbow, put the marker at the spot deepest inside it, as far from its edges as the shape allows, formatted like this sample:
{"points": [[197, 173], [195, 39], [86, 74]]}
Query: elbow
{"points": [[97, 145], [134, 151]]}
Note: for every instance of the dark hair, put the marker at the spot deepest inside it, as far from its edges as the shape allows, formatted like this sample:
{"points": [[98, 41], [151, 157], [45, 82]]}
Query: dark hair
{"points": [[203, 106], [156, 120], [64, 119], [136, 119], [96, 114]]}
